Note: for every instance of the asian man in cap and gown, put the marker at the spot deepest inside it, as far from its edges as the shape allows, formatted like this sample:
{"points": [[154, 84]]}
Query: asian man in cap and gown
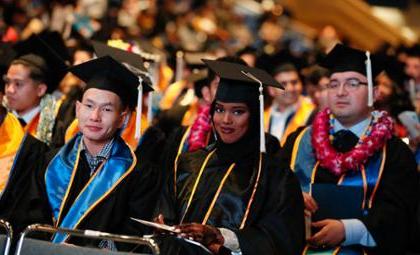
{"points": [[11, 131], [30, 80], [234, 195], [359, 181], [94, 181], [135, 63], [33, 71]]}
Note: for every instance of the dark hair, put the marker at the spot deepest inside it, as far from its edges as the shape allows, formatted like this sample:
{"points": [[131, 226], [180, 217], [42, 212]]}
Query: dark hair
{"points": [[314, 74], [35, 72], [247, 50], [286, 67], [198, 85]]}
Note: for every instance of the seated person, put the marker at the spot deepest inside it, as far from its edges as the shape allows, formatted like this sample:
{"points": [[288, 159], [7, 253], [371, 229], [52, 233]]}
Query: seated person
{"points": [[350, 144], [94, 181], [230, 196]]}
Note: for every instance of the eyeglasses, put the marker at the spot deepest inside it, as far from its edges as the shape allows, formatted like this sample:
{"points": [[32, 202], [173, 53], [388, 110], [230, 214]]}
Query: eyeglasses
{"points": [[349, 84]]}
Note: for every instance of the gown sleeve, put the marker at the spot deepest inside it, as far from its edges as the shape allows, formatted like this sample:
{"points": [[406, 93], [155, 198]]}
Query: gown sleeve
{"points": [[394, 204], [280, 228]]}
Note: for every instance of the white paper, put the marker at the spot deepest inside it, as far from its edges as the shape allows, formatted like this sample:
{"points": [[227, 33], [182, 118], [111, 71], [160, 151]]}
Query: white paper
{"points": [[157, 225]]}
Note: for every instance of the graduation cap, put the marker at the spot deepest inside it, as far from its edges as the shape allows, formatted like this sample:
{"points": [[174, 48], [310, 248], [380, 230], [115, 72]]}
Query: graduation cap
{"points": [[7, 55], [47, 52], [342, 59], [107, 73], [240, 83], [197, 75], [194, 59], [132, 59], [134, 63], [414, 51]]}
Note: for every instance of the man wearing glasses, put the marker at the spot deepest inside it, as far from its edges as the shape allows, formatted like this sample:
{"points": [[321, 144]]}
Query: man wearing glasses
{"points": [[290, 109], [359, 181], [94, 181]]}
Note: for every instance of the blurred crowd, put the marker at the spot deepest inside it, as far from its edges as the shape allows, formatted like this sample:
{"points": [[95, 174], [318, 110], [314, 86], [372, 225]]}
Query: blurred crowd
{"points": [[162, 44]]}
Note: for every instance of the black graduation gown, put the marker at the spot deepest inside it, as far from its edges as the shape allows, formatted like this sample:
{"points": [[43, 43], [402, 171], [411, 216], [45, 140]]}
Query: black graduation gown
{"points": [[12, 206], [391, 215], [133, 197], [65, 116], [275, 223]]}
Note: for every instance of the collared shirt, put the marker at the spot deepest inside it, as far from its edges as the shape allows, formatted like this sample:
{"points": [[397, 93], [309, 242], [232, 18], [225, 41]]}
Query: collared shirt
{"points": [[357, 129], [355, 231], [278, 120], [27, 117], [94, 161]]}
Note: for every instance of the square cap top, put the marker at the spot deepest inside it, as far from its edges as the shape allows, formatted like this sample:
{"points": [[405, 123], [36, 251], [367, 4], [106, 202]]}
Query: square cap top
{"points": [[46, 51], [132, 59], [343, 58], [237, 72], [106, 73]]}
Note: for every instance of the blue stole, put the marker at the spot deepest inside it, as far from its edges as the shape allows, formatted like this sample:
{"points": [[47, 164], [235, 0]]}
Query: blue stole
{"points": [[59, 179], [305, 165]]}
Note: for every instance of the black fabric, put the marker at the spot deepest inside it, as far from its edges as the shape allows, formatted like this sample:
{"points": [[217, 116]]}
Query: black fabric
{"points": [[415, 226], [106, 73], [343, 58], [65, 116], [275, 223], [12, 207], [51, 48], [344, 140], [22, 122]]}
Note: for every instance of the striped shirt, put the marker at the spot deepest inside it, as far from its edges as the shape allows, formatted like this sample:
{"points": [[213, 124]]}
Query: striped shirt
{"points": [[95, 161]]}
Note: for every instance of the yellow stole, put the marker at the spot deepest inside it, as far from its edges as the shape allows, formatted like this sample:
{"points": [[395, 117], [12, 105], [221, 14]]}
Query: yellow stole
{"points": [[11, 135], [171, 94], [190, 115], [304, 110], [32, 126]]}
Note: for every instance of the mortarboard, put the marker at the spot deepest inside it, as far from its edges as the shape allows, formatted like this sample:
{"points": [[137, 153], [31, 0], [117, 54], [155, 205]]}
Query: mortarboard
{"points": [[134, 63], [106, 73], [342, 59], [132, 59], [197, 75], [48, 52], [194, 59], [240, 83], [7, 55], [414, 51]]}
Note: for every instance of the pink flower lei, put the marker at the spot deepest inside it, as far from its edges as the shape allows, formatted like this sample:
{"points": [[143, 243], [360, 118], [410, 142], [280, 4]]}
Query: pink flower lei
{"points": [[378, 132]]}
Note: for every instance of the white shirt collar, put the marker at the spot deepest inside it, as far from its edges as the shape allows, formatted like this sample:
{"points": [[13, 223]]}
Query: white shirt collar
{"points": [[27, 117], [357, 129]]}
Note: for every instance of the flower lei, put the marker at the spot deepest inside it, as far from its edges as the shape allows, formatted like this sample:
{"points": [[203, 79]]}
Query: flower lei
{"points": [[379, 131], [200, 129]]}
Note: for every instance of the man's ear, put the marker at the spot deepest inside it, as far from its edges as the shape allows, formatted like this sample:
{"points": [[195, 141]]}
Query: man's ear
{"points": [[271, 91], [78, 105], [375, 93], [122, 117], [41, 89]]}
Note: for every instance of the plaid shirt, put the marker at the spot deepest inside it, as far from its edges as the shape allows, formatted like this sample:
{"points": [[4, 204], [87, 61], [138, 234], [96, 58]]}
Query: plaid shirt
{"points": [[95, 161]]}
